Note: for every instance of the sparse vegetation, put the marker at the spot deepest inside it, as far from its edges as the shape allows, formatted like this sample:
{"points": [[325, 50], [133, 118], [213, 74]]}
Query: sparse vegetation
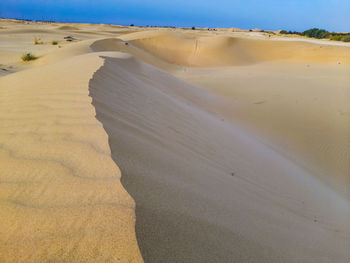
{"points": [[28, 57], [54, 42], [289, 32], [346, 38], [341, 37], [320, 34], [37, 41]]}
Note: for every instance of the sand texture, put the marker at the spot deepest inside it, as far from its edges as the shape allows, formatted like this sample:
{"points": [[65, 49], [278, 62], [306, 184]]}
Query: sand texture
{"points": [[205, 190], [171, 145], [61, 196]]}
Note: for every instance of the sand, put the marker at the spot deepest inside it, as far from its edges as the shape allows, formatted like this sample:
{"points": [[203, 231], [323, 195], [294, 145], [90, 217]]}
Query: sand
{"points": [[312, 121], [227, 147], [61, 196]]}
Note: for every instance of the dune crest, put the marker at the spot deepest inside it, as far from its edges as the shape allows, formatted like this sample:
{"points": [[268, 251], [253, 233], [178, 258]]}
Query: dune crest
{"points": [[221, 50], [68, 28], [60, 192], [206, 190]]}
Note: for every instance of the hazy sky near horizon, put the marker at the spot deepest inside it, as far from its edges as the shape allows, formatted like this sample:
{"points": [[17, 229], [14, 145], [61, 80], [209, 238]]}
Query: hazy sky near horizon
{"points": [[333, 15]]}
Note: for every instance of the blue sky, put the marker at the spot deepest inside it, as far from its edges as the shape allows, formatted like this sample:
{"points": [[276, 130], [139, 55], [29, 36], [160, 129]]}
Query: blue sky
{"points": [[333, 15]]}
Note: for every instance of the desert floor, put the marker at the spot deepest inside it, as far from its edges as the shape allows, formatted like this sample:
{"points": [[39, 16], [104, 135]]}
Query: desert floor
{"points": [[132, 144]]}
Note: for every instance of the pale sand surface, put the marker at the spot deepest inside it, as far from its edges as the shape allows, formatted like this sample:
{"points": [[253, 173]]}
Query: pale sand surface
{"points": [[61, 199], [177, 160], [302, 111], [252, 165]]}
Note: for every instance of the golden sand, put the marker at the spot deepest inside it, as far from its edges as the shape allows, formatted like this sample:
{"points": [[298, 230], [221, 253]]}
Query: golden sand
{"points": [[234, 146]]}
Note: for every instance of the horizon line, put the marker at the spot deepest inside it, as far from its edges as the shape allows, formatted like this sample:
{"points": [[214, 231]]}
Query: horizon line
{"points": [[167, 26]]}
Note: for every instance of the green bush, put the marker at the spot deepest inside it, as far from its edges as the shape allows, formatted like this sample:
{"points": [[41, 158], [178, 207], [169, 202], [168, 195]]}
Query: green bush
{"points": [[340, 37], [346, 38], [54, 42], [336, 37], [28, 57], [289, 32], [316, 33]]}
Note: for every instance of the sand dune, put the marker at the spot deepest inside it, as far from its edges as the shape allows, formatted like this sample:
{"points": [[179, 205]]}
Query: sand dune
{"points": [[117, 44], [205, 190], [178, 48], [57, 204], [57, 55], [301, 110], [67, 28], [248, 163]]}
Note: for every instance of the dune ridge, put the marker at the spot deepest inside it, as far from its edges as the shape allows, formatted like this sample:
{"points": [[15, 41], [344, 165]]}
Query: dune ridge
{"points": [[301, 111], [221, 50], [67, 27], [209, 184], [205, 190], [60, 192]]}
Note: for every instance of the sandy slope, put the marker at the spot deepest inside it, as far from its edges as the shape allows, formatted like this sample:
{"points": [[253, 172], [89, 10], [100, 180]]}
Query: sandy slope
{"points": [[228, 173], [61, 198], [208, 51], [300, 110], [205, 190]]}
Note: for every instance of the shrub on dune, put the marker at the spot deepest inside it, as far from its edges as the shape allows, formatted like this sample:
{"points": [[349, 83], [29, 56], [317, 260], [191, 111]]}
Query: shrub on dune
{"points": [[346, 38], [28, 57], [37, 41], [54, 42], [336, 38], [341, 37], [316, 33]]}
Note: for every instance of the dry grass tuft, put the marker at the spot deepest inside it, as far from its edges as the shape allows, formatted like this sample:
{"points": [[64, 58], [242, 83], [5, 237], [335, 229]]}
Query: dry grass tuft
{"points": [[37, 41], [28, 57]]}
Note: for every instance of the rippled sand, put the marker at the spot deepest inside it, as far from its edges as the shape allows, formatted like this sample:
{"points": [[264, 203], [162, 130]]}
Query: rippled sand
{"points": [[227, 146]]}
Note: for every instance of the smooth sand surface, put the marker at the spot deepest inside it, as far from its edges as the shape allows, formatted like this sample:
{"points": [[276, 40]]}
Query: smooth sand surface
{"points": [[301, 110], [205, 190], [234, 147], [223, 50]]}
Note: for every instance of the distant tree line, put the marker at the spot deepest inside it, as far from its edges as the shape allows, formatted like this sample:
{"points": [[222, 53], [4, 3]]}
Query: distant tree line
{"points": [[320, 34]]}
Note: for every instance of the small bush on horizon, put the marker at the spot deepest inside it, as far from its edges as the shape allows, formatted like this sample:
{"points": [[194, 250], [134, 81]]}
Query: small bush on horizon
{"points": [[54, 42], [28, 57], [289, 32]]}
